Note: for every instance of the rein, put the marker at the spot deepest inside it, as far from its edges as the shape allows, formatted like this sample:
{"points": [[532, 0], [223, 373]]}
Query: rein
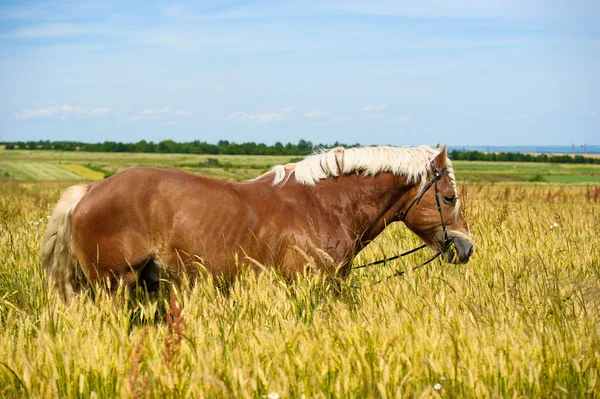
{"points": [[433, 182]]}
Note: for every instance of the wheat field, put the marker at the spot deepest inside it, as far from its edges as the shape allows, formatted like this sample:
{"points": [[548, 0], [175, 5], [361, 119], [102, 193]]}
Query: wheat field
{"points": [[521, 319]]}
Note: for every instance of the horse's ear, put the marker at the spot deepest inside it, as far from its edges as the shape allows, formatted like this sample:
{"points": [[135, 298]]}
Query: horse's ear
{"points": [[437, 146], [439, 162]]}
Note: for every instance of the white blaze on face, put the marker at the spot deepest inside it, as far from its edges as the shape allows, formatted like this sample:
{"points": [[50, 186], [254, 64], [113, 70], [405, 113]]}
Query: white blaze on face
{"points": [[466, 236]]}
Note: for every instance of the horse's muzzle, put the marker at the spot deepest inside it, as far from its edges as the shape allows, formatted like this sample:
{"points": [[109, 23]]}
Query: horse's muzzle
{"points": [[458, 250]]}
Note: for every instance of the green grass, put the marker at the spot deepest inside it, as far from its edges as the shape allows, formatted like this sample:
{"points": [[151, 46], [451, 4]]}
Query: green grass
{"points": [[28, 170], [477, 171]]}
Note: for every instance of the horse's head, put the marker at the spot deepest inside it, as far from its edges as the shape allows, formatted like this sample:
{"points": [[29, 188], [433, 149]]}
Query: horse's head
{"points": [[439, 221]]}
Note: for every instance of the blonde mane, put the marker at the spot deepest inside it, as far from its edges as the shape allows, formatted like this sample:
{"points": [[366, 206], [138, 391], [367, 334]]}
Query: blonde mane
{"points": [[414, 163]]}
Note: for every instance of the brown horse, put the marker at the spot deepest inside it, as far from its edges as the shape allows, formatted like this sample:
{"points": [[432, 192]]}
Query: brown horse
{"points": [[144, 224]]}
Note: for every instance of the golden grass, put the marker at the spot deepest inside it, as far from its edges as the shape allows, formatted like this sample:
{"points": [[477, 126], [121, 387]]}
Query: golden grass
{"points": [[82, 171], [521, 319]]}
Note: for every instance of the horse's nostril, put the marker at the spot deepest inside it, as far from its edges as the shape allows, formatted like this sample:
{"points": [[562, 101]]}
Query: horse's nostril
{"points": [[466, 250]]}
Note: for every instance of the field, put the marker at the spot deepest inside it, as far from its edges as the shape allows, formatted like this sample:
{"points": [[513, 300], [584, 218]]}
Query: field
{"points": [[521, 319], [477, 172], [218, 166], [46, 165]]}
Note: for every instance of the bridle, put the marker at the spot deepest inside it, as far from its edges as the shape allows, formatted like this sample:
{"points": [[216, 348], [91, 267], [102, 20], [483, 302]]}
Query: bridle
{"points": [[437, 175]]}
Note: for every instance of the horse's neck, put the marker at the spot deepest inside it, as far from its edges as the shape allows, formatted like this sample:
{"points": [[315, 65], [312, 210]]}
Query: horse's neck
{"points": [[367, 204]]}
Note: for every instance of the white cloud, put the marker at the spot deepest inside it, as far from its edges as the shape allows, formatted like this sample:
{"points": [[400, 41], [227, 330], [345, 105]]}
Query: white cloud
{"points": [[38, 113], [100, 111], [165, 114], [314, 114], [400, 120], [258, 118], [164, 111], [63, 112], [371, 108], [76, 109], [66, 111], [261, 118], [342, 118], [238, 115], [266, 118]]}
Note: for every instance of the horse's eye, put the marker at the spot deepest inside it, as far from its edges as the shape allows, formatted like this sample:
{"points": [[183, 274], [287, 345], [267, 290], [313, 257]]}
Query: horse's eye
{"points": [[450, 200]]}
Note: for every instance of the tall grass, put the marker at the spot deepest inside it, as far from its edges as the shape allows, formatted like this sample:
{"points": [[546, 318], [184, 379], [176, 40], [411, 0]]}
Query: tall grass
{"points": [[521, 319]]}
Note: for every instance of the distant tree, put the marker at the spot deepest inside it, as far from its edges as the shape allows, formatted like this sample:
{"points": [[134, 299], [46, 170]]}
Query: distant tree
{"points": [[141, 146], [304, 146]]}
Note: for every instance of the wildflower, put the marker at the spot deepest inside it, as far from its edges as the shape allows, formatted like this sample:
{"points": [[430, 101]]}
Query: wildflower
{"points": [[554, 225], [437, 386], [272, 395], [38, 222]]}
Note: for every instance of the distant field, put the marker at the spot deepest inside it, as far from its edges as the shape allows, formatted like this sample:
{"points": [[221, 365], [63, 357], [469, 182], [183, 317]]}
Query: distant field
{"points": [[83, 171], [235, 167], [478, 171], [27, 170], [56, 165]]}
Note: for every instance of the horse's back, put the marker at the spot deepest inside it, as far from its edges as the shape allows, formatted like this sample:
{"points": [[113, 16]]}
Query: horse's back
{"points": [[142, 214]]}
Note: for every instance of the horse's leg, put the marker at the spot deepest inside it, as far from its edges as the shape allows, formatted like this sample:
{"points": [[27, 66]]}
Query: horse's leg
{"points": [[113, 263], [150, 275], [295, 262], [171, 264]]}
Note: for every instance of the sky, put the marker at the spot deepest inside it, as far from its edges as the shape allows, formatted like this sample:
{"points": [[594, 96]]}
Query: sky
{"points": [[466, 72]]}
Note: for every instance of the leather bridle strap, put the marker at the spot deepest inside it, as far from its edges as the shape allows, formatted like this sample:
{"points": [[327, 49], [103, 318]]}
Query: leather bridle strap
{"points": [[378, 262], [402, 272], [437, 176], [433, 182], [447, 241]]}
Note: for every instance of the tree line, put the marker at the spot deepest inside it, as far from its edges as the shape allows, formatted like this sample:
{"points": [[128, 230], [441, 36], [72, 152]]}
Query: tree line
{"points": [[519, 157], [303, 147]]}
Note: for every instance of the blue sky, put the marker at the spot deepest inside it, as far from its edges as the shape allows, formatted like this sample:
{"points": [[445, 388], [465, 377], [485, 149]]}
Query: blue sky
{"points": [[511, 72]]}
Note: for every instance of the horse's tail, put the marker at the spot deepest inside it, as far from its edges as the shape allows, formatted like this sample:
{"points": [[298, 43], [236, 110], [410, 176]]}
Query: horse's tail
{"points": [[58, 255]]}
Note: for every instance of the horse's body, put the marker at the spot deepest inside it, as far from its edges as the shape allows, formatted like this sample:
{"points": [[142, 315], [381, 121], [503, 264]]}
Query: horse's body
{"points": [[144, 223]]}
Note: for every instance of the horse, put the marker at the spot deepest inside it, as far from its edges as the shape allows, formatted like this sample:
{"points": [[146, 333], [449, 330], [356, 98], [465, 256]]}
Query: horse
{"points": [[145, 224]]}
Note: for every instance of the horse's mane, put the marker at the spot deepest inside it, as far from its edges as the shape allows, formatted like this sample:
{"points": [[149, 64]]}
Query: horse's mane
{"points": [[414, 163]]}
